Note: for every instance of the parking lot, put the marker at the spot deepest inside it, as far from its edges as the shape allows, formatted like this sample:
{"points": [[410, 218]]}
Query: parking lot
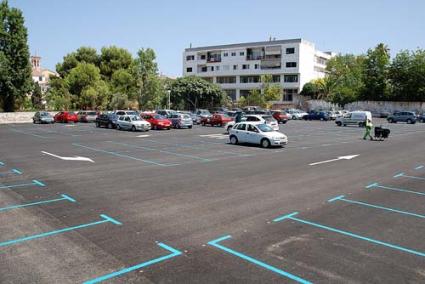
{"points": [[85, 204]]}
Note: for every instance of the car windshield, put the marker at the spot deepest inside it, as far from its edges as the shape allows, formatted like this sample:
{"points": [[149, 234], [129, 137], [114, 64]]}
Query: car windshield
{"points": [[267, 118], [135, 118], [185, 116], [157, 116], [265, 128], [205, 112], [44, 114], [91, 113], [131, 113]]}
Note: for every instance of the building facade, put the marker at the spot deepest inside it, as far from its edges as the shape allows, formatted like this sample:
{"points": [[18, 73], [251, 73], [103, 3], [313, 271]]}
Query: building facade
{"points": [[41, 75], [237, 68]]}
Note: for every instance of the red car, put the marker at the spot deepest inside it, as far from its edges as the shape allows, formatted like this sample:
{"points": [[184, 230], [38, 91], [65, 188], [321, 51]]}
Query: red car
{"points": [[280, 116], [216, 119], [157, 121], [65, 116]]}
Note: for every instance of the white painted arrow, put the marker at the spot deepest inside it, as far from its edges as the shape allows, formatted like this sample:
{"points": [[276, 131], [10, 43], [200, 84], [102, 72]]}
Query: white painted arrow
{"points": [[333, 160], [76, 158]]}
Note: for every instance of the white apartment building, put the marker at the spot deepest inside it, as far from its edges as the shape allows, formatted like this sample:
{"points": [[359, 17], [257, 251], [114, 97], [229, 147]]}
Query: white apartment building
{"points": [[237, 68]]}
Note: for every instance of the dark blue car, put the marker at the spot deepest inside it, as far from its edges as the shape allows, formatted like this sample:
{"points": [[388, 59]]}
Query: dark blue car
{"points": [[316, 115]]}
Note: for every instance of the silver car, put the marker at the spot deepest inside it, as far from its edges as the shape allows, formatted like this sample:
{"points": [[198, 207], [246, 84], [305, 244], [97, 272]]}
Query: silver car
{"points": [[43, 117], [133, 123], [179, 120]]}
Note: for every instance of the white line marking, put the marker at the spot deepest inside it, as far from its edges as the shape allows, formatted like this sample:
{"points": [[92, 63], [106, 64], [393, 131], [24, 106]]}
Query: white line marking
{"points": [[76, 158], [333, 160]]}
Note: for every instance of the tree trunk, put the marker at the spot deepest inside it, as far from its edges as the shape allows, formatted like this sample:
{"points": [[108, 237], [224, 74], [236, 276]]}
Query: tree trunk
{"points": [[9, 104]]}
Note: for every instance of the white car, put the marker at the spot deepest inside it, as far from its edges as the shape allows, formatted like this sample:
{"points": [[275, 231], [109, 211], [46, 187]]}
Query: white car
{"points": [[257, 118], [296, 114], [256, 133], [133, 123]]}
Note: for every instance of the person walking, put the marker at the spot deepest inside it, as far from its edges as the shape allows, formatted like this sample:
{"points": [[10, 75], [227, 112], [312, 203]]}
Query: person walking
{"points": [[368, 127]]}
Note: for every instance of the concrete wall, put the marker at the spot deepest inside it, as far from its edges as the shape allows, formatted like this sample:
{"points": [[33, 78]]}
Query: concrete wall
{"points": [[18, 117], [418, 107]]}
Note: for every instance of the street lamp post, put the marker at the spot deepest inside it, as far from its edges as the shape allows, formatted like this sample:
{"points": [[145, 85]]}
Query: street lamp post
{"points": [[169, 98]]}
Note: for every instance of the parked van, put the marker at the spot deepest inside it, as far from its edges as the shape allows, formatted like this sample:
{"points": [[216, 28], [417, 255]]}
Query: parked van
{"points": [[354, 118]]}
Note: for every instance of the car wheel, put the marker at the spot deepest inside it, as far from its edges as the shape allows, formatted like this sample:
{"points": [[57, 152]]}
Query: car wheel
{"points": [[265, 143], [321, 119], [110, 125], [294, 117], [361, 124], [190, 126], [390, 120], [133, 128], [203, 123], [409, 121], [33, 121], [338, 123], [118, 127], [233, 140], [97, 124], [228, 128]]}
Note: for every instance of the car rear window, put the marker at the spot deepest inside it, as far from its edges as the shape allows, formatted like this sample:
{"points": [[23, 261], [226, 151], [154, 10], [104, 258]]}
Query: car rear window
{"points": [[267, 118], [91, 113]]}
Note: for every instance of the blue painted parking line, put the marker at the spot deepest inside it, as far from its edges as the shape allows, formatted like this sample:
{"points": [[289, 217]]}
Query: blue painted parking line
{"points": [[341, 197], [105, 219], [346, 233], [162, 151], [12, 171], [419, 167], [33, 183], [377, 185], [215, 243], [191, 146], [23, 132], [64, 197], [124, 156], [406, 176], [173, 253]]}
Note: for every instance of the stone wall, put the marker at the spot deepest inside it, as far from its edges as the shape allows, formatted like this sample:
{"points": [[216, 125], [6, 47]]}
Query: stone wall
{"points": [[18, 117], [373, 106]]}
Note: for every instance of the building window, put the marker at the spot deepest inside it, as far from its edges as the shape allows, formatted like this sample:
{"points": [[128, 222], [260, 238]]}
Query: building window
{"points": [[40, 78], [288, 94], [204, 69], [233, 53], [189, 69], [276, 78], [291, 64], [250, 79], [203, 57], [190, 57], [256, 66], [242, 53], [225, 54], [291, 78], [217, 68], [212, 68], [231, 94], [290, 50], [245, 66], [209, 79], [226, 80], [319, 69], [235, 67]]}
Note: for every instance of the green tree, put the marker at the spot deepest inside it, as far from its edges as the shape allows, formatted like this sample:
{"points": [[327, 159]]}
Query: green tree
{"points": [[37, 97], [113, 58], [83, 54], [58, 96], [15, 74], [151, 87], [272, 92], [255, 98], [376, 68], [193, 92], [407, 76], [119, 101]]}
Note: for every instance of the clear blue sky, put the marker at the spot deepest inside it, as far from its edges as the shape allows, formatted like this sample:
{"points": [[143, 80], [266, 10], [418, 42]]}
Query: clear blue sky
{"points": [[57, 27]]}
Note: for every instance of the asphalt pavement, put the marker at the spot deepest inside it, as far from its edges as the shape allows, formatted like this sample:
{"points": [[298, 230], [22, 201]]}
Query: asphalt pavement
{"points": [[80, 204]]}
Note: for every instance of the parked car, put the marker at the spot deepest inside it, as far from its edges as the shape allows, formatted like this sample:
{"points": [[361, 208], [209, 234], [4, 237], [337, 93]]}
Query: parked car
{"points": [[43, 117], [316, 115], [280, 116], [65, 117], [256, 118], [157, 121], [332, 115], [125, 112], [217, 119], [179, 120], [167, 113], [421, 118], [295, 114], [133, 123], [402, 116], [201, 114], [256, 133], [354, 118], [87, 116], [108, 120]]}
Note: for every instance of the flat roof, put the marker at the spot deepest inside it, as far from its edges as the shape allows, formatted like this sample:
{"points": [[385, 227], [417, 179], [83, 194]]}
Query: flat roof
{"points": [[235, 45]]}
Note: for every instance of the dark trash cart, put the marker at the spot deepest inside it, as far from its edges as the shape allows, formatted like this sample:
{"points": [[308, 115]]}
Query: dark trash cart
{"points": [[381, 133]]}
